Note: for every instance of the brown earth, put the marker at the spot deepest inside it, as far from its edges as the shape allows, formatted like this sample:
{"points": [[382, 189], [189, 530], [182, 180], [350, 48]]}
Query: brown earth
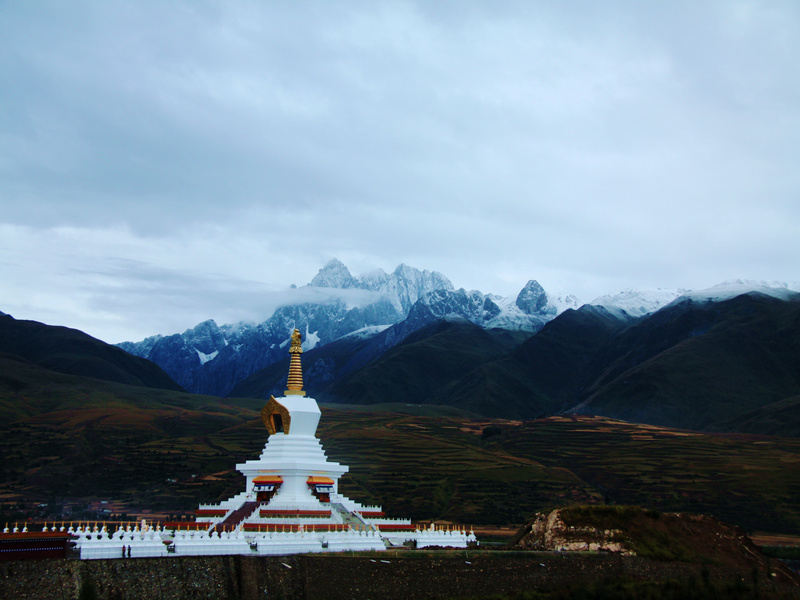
{"points": [[775, 539]]}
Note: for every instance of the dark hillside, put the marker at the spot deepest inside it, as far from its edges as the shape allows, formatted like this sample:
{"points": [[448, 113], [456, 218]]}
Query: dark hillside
{"points": [[778, 418], [421, 365], [694, 364], [27, 390], [360, 369], [541, 376], [499, 388], [562, 359], [73, 352], [321, 366]]}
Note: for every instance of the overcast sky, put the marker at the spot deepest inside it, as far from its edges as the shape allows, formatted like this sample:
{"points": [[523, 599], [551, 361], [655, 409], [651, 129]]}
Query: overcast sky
{"points": [[162, 163]]}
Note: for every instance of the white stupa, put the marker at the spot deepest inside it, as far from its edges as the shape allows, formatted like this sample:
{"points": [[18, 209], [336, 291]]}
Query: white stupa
{"points": [[293, 468]]}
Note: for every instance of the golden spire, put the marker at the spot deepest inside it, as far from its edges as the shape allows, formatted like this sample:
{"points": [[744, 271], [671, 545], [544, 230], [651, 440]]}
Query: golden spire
{"points": [[295, 381]]}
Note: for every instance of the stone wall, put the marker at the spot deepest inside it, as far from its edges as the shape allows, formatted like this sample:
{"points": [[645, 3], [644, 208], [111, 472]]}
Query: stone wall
{"points": [[334, 577]]}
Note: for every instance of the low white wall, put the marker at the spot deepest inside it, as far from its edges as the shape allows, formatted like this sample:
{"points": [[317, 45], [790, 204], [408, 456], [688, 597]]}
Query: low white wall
{"points": [[146, 541]]}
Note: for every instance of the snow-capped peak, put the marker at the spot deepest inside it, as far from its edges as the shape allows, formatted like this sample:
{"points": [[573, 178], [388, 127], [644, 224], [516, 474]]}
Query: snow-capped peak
{"points": [[334, 275], [364, 332], [640, 302], [374, 279], [637, 302], [736, 287], [532, 298], [559, 302], [403, 287]]}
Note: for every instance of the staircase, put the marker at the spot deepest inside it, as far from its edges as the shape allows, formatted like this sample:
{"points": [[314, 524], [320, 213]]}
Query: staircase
{"points": [[349, 518], [236, 517]]}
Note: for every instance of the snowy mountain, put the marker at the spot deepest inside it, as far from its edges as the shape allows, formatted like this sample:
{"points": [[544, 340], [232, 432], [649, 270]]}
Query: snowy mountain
{"points": [[528, 311], [637, 303], [736, 287], [402, 288], [211, 359], [633, 303]]}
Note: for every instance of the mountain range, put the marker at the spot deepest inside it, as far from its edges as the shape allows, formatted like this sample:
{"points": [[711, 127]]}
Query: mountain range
{"points": [[724, 359], [73, 352], [722, 365], [213, 359]]}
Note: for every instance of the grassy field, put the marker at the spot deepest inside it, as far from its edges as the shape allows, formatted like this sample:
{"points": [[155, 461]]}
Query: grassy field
{"points": [[753, 481], [168, 458]]}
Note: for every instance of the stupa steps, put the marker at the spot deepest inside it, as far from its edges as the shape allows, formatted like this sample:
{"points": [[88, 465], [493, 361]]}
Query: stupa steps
{"points": [[237, 516]]}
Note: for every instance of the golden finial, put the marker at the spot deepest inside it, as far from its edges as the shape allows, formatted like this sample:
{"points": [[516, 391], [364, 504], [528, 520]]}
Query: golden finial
{"points": [[295, 380]]}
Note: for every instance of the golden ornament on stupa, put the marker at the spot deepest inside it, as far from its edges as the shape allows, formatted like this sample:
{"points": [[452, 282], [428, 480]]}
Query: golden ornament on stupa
{"points": [[295, 381]]}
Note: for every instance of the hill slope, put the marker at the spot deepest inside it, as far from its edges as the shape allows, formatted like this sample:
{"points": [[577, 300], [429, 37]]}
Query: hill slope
{"points": [[73, 352], [696, 364], [421, 365], [373, 368]]}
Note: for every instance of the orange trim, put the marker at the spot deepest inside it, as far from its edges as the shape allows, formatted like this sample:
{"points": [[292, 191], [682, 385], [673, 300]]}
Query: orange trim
{"points": [[268, 479], [320, 480]]}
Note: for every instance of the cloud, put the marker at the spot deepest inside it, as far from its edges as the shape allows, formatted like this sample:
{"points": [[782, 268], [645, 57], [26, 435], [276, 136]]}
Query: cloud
{"points": [[120, 286], [204, 151]]}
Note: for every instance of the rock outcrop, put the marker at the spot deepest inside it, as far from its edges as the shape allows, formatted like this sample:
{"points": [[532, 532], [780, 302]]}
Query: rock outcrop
{"points": [[664, 537], [549, 532]]}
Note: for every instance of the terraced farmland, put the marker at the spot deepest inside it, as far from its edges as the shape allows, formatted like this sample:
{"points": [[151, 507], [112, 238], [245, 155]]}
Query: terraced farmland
{"points": [[482, 472], [753, 481]]}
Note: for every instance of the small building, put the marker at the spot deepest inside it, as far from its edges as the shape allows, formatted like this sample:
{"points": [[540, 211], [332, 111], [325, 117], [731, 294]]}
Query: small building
{"points": [[26, 545]]}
